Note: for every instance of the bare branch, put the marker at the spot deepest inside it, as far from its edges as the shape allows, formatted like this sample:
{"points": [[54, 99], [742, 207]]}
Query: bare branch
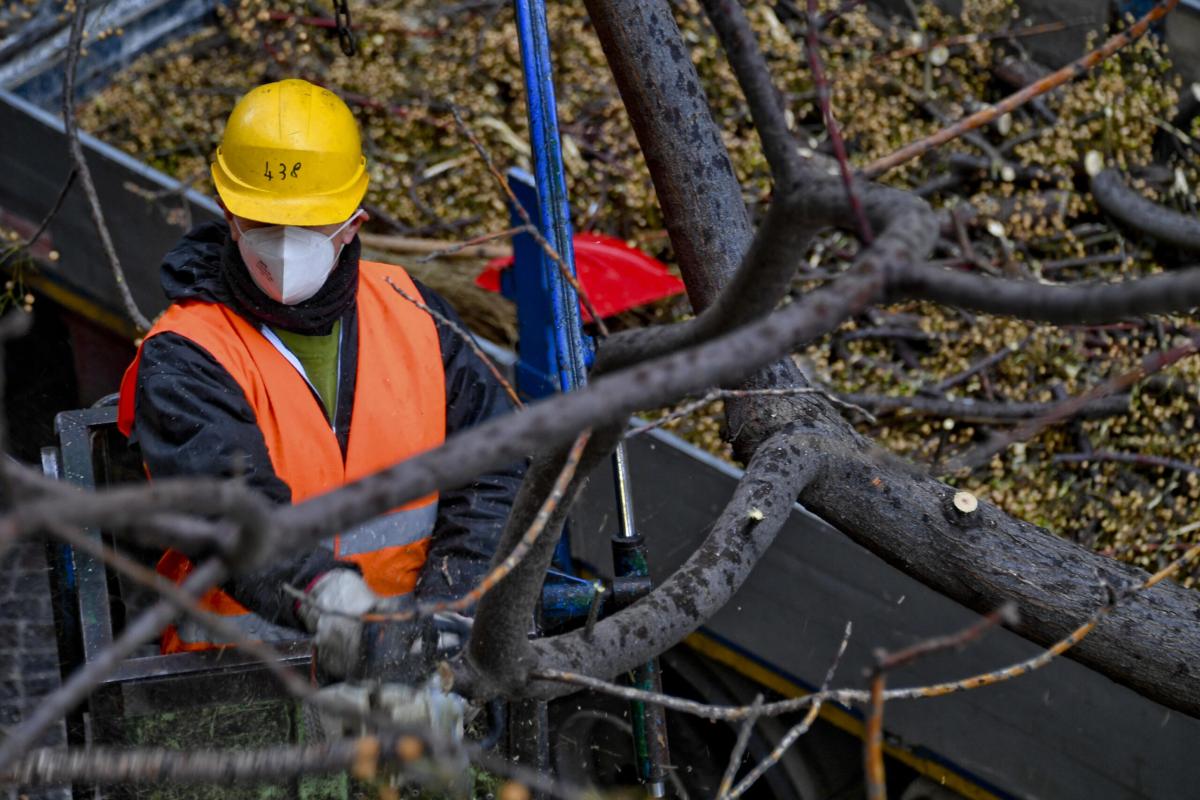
{"points": [[1138, 459], [431, 249], [1145, 216], [835, 132], [500, 570], [739, 749], [797, 730], [46, 220], [991, 411], [745, 529], [467, 338], [530, 226], [722, 394], [84, 680], [1152, 363], [293, 682], [1019, 98], [85, 175], [873, 769], [418, 759]]}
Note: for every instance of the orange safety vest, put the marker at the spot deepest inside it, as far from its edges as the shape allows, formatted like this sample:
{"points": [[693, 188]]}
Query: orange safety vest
{"points": [[399, 410]]}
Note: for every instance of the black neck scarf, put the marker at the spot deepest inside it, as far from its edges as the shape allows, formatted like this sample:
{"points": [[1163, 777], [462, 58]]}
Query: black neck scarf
{"points": [[316, 315]]}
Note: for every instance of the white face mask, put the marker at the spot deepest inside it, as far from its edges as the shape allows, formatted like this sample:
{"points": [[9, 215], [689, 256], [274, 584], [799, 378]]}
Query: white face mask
{"points": [[289, 263]]}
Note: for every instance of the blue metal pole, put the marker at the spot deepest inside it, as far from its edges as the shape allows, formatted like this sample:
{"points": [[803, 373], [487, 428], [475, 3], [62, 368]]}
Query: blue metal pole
{"points": [[571, 346], [555, 222]]}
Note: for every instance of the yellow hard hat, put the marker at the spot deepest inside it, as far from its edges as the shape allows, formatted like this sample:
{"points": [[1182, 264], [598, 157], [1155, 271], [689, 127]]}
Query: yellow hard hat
{"points": [[291, 155]]}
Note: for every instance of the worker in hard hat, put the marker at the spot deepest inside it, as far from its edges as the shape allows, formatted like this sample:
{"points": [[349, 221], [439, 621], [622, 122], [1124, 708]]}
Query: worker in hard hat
{"points": [[287, 360]]}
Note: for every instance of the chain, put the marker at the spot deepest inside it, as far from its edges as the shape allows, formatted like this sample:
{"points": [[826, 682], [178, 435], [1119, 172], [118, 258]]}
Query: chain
{"points": [[341, 15]]}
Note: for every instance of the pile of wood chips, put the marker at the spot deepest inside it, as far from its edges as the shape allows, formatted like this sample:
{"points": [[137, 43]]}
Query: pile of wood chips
{"points": [[1019, 184]]}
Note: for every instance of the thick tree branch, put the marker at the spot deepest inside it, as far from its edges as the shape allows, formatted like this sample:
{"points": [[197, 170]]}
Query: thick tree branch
{"points": [[1134, 211], [1057, 303], [984, 411], [499, 648], [747, 526]]}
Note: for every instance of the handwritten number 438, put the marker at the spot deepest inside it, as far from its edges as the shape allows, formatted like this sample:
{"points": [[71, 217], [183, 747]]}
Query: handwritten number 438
{"points": [[283, 174]]}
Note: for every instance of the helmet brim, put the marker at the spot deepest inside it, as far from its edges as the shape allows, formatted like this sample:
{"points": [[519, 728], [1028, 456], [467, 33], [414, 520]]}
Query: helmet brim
{"points": [[254, 204]]}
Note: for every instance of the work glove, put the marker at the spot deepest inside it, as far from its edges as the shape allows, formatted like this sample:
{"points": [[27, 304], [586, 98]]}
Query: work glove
{"points": [[347, 648]]}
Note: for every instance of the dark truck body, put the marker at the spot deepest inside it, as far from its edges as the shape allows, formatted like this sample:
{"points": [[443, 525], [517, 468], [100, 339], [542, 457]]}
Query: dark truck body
{"points": [[1064, 732]]}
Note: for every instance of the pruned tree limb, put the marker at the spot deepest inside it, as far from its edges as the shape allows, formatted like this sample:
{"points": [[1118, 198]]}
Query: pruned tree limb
{"points": [[1142, 215]]}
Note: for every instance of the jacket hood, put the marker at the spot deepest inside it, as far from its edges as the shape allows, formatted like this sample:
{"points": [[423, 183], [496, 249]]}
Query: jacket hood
{"points": [[191, 270]]}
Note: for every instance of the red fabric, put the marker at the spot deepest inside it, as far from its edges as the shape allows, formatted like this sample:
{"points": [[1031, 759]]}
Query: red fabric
{"points": [[615, 276]]}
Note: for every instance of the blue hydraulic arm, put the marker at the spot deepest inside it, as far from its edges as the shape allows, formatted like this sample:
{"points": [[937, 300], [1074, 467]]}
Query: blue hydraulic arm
{"points": [[572, 350], [555, 352]]}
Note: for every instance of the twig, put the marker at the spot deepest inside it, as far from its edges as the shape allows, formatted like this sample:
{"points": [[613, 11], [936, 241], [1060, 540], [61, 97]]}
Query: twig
{"points": [[469, 246], [429, 249], [739, 749], [797, 730], [821, 83], [889, 661], [849, 696], [46, 220], [85, 175], [498, 572], [723, 394], [873, 741], [295, 684], [1019, 98], [466, 336], [873, 770], [986, 363], [1139, 459], [1151, 364], [530, 225], [972, 38], [85, 679], [1083, 261]]}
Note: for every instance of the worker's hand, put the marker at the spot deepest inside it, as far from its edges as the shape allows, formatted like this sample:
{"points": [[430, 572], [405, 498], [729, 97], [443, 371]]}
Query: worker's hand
{"points": [[397, 651], [332, 613], [387, 651]]}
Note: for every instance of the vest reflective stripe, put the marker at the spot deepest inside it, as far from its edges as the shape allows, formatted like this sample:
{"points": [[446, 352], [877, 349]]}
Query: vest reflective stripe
{"points": [[391, 530], [399, 410]]}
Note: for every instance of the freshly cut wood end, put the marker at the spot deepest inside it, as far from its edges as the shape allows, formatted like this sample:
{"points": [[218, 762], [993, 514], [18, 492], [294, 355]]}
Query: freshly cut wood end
{"points": [[965, 502], [1093, 162]]}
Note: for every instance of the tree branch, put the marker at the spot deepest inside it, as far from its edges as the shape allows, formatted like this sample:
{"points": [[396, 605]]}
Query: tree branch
{"points": [[74, 44], [1134, 211], [84, 680], [747, 526]]}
